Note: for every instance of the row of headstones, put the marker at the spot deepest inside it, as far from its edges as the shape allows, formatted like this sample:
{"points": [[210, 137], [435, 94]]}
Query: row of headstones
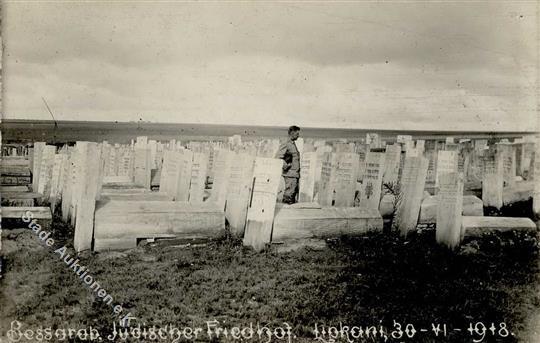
{"points": [[72, 175], [20, 150]]}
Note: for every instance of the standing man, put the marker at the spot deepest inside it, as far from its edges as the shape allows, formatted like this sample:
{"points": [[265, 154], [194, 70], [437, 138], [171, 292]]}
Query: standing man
{"points": [[291, 165]]}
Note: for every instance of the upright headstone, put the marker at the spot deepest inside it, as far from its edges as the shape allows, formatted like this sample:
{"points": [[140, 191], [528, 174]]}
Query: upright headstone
{"points": [[391, 164], [239, 191], [508, 157], [403, 138], [260, 216], [449, 209], [36, 164], [141, 169], [370, 194], [325, 195], [536, 173], [60, 162], [184, 176], [45, 171], [169, 173], [412, 185], [79, 167], [84, 227], [198, 177], [67, 188], [308, 172], [222, 171], [492, 183], [346, 170], [373, 140], [447, 162]]}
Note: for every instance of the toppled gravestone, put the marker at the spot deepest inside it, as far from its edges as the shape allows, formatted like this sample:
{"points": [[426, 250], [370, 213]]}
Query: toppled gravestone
{"points": [[472, 206]]}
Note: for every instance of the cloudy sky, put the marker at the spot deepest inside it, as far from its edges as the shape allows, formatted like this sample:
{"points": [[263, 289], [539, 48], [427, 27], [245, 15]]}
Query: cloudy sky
{"points": [[400, 65]]}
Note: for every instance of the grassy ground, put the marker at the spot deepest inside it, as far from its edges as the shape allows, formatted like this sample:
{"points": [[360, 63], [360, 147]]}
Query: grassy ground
{"points": [[371, 280]]}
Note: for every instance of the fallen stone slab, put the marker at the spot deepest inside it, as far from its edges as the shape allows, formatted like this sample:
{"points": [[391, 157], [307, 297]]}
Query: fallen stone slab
{"points": [[519, 191], [472, 206], [126, 220], [5, 189], [12, 216], [15, 170], [326, 222], [149, 196], [15, 161], [472, 226], [116, 179]]}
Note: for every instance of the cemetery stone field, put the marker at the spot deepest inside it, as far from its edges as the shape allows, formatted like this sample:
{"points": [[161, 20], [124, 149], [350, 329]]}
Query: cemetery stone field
{"points": [[392, 234]]}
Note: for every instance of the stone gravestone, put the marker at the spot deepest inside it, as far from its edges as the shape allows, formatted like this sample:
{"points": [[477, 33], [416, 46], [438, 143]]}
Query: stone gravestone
{"points": [[536, 173], [67, 189], [141, 168], [198, 177], [431, 155], [391, 164], [492, 183], [260, 216], [222, 170], [45, 171], [325, 196], [308, 171], [170, 173], [84, 227], [60, 161], [345, 178], [239, 191], [370, 194], [411, 194], [124, 165], [184, 176], [449, 209], [373, 140], [507, 154], [404, 138], [79, 167], [36, 164], [447, 162]]}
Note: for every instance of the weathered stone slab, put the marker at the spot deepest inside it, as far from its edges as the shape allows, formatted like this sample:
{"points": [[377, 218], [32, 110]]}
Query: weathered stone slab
{"points": [[142, 167], [492, 184], [260, 216], [449, 209], [309, 168], [411, 193], [472, 206], [519, 191], [45, 171], [184, 176], [346, 170], [84, 224], [391, 164], [239, 192], [140, 219], [370, 194], [198, 177], [295, 223], [325, 195], [447, 162], [36, 163], [148, 196], [222, 170], [476, 226]]}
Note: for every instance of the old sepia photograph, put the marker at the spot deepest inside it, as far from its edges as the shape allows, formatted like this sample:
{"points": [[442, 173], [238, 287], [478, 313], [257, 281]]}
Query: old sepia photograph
{"points": [[270, 171]]}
